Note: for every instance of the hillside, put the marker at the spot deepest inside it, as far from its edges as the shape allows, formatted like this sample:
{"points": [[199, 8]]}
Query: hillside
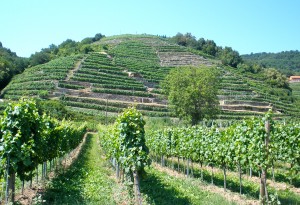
{"points": [[287, 61], [127, 69]]}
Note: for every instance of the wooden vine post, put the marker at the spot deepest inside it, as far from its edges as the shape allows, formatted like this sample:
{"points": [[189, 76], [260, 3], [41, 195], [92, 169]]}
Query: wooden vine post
{"points": [[263, 179]]}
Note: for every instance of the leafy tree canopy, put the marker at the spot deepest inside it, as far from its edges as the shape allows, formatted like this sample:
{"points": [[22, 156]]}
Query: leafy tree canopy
{"points": [[230, 57], [66, 48], [276, 78], [192, 92], [10, 65]]}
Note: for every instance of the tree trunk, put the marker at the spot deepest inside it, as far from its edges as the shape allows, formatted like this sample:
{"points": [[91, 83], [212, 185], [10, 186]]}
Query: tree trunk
{"points": [[117, 171], [263, 179], [45, 169], [240, 177], [273, 173], [23, 184], [262, 191], [178, 167], [184, 168], [37, 174], [188, 167], [224, 172], [12, 180], [212, 174], [291, 177], [122, 174], [201, 171], [192, 169], [173, 167], [7, 182], [137, 193]]}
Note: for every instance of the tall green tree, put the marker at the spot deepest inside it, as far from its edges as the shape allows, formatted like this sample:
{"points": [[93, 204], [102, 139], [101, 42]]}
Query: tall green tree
{"points": [[276, 78], [230, 57], [192, 92]]}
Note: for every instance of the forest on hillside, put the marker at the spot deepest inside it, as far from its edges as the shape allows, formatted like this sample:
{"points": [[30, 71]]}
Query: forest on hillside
{"points": [[287, 62], [10, 65]]}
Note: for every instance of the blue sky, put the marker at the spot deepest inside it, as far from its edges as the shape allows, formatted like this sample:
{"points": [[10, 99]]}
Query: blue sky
{"points": [[246, 26]]}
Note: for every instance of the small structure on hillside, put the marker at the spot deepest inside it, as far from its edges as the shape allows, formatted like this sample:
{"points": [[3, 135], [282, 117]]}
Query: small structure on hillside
{"points": [[294, 79]]}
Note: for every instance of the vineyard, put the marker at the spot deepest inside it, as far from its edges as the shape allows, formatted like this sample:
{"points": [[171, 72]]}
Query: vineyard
{"points": [[241, 157], [254, 159], [259, 148], [28, 139], [128, 69]]}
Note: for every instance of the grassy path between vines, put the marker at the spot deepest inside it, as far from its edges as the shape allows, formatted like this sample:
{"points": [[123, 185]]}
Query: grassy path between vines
{"points": [[159, 187], [88, 180], [250, 186], [91, 180]]}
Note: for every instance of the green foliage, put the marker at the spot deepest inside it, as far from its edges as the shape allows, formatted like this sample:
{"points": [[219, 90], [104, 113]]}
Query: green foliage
{"points": [[243, 143], [276, 79], [28, 138], [66, 48], [21, 128], [10, 65], [130, 133], [38, 80], [192, 92], [230, 57], [288, 62], [87, 181], [125, 141], [248, 67], [188, 40], [53, 108]]}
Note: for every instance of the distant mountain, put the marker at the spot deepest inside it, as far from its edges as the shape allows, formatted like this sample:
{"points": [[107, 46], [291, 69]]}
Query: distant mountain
{"points": [[286, 61]]}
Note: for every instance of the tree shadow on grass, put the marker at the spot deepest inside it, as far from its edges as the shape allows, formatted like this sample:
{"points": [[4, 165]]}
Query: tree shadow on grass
{"points": [[160, 193], [66, 187]]}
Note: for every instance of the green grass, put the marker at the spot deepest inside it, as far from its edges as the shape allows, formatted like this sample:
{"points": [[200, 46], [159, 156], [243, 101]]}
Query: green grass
{"points": [[249, 188], [160, 188], [87, 181], [90, 180]]}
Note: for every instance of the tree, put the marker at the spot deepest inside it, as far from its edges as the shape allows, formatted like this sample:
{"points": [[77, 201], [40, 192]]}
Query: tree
{"points": [[276, 79], [209, 47], [230, 57], [192, 92], [39, 58], [98, 36]]}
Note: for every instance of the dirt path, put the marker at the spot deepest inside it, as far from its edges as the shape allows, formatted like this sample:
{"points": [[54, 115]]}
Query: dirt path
{"points": [[76, 68], [230, 196]]}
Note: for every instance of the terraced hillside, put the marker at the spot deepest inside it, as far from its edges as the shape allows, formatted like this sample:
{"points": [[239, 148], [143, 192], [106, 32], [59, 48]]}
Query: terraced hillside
{"points": [[126, 70], [296, 89]]}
